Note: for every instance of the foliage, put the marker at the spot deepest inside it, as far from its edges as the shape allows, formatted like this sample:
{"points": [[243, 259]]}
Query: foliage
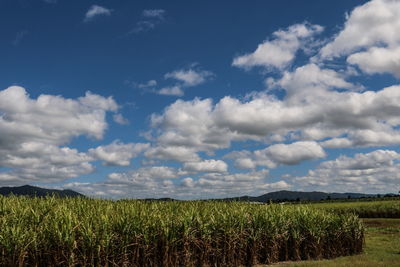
{"points": [[382, 247], [374, 209], [86, 232]]}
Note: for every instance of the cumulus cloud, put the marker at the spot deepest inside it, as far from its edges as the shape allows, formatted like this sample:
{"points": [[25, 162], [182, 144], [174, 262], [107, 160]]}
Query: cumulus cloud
{"points": [[291, 154], [320, 105], [190, 77], [145, 173], [117, 153], [159, 181], [311, 81], [245, 162], [35, 131], [184, 78], [320, 108], [369, 38], [278, 154], [375, 171], [51, 119], [96, 11], [140, 183], [190, 124], [374, 23], [37, 162], [172, 153], [378, 60], [337, 142], [206, 166], [281, 50]]}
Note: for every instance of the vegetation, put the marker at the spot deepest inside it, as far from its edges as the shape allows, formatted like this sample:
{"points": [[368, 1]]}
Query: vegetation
{"points": [[382, 247], [77, 231], [374, 209]]}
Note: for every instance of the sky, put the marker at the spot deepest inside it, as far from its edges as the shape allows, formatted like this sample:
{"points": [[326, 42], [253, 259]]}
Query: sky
{"points": [[200, 99]]}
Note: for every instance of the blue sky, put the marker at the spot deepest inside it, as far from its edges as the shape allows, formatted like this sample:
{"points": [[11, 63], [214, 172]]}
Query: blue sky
{"points": [[199, 99]]}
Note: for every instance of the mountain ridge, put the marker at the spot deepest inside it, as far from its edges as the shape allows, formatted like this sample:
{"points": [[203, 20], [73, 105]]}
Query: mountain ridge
{"points": [[34, 191], [280, 196], [299, 195]]}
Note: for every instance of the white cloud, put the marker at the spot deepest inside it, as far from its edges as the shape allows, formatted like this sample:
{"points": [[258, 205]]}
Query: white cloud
{"points": [[158, 182], [281, 50], [291, 154], [221, 178], [206, 166], [375, 23], [51, 119], [320, 108], [311, 81], [245, 163], [148, 84], [174, 153], [145, 173], [377, 171], [118, 118], [369, 38], [219, 185], [37, 162], [280, 185], [313, 109], [95, 11], [378, 60], [34, 132], [337, 143], [117, 153], [190, 77], [278, 154], [140, 183], [184, 78], [154, 13], [190, 124], [171, 90], [188, 182]]}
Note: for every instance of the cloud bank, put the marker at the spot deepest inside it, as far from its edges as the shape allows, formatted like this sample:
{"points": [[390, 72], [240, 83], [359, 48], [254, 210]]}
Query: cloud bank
{"points": [[203, 147]]}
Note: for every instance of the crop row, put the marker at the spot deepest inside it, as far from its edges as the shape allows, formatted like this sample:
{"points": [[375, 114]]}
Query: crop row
{"points": [[375, 209], [87, 232]]}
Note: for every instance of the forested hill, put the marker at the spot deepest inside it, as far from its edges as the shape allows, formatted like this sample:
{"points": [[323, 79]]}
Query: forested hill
{"points": [[28, 190], [295, 195]]}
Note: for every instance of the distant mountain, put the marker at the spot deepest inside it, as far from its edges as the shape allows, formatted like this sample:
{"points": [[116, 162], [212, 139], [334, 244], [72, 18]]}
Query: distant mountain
{"points": [[278, 196], [28, 190], [295, 195], [159, 199]]}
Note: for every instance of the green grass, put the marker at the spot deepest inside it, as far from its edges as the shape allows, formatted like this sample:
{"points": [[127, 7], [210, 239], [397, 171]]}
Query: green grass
{"points": [[382, 247], [87, 232]]}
